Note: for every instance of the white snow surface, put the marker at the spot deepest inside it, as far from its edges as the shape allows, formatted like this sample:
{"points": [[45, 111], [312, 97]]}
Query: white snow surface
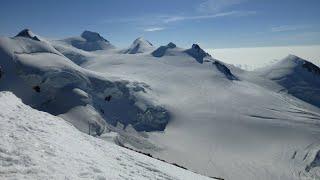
{"points": [[37, 145], [217, 119], [232, 129]]}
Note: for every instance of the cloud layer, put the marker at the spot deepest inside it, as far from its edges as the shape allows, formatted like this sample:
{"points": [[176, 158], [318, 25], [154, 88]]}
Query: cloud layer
{"points": [[214, 6], [152, 29]]}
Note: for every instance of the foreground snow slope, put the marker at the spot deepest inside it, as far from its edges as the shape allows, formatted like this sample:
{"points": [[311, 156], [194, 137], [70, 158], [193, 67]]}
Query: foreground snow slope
{"points": [[37, 145]]}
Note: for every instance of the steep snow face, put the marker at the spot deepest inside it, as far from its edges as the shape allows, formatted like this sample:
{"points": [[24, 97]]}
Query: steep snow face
{"points": [[139, 45], [44, 78], [297, 76], [89, 41], [37, 145]]}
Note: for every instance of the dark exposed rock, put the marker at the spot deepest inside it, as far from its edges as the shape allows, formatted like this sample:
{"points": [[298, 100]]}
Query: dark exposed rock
{"points": [[36, 88], [311, 67], [225, 70], [108, 98], [27, 34], [92, 36], [314, 163], [196, 52], [161, 51]]}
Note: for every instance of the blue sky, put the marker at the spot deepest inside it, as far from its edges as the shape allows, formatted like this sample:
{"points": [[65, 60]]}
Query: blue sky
{"points": [[211, 23]]}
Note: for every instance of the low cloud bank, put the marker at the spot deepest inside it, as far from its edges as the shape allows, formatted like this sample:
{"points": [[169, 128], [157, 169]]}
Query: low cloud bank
{"points": [[252, 58]]}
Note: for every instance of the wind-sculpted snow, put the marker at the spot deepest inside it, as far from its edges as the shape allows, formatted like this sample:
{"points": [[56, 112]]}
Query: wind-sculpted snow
{"points": [[37, 145]]}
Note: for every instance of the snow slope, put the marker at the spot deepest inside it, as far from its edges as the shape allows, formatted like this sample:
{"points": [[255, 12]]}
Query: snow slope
{"points": [[37, 145], [219, 126], [297, 76], [201, 113]]}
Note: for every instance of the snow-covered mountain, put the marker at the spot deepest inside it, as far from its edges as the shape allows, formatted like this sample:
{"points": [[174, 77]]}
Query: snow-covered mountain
{"points": [[28, 34], [140, 45], [298, 77], [89, 41], [164, 50], [180, 105], [44, 78]]}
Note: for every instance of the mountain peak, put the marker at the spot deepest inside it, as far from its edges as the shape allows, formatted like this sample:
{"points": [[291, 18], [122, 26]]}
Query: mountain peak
{"points": [[27, 34], [295, 61], [141, 40], [196, 52], [171, 45], [195, 46], [89, 41], [92, 36], [162, 50], [140, 45], [293, 58]]}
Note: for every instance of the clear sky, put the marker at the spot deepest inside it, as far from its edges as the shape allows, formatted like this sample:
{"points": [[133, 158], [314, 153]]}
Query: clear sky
{"points": [[212, 23]]}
